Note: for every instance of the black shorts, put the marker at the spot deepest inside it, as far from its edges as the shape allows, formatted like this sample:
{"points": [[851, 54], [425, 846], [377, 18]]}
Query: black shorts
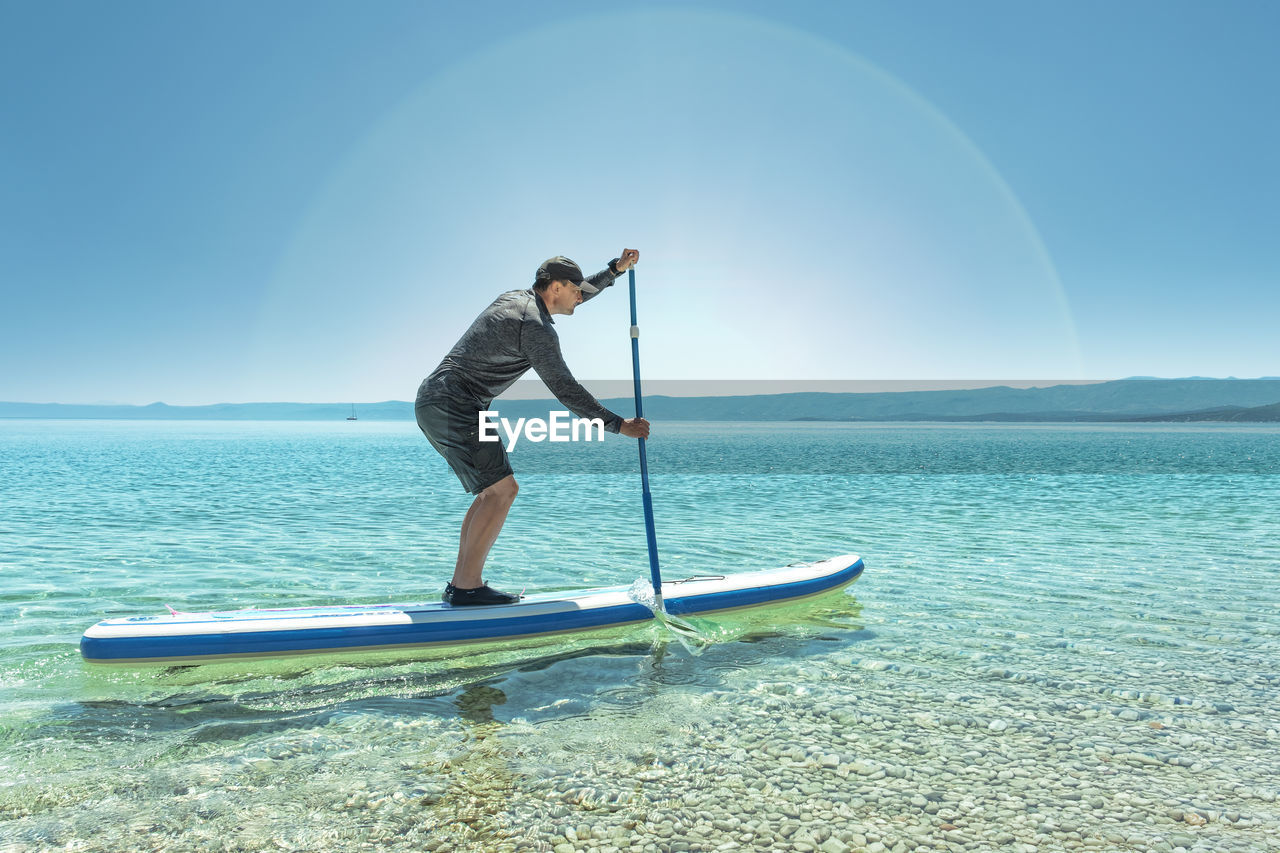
{"points": [[454, 430]]}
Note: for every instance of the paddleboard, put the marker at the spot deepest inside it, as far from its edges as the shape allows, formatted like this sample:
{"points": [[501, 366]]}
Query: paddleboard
{"points": [[210, 636]]}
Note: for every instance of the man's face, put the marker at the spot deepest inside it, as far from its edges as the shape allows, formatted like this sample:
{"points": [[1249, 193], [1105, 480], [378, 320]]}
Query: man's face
{"points": [[565, 296]]}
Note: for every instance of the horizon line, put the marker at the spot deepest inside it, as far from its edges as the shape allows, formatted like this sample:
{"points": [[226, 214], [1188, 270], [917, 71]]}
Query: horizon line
{"points": [[533, 389]]}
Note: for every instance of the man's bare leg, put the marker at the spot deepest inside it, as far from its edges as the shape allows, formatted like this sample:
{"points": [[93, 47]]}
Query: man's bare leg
{"points": [[480, 530]]}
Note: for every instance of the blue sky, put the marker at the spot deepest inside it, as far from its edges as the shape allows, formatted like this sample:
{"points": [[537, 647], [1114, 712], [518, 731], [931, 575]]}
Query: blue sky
{"points": [[230, 202]]}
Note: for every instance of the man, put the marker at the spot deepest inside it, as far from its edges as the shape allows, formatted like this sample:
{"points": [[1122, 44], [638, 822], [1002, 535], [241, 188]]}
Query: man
{"points": [[510, 336]]}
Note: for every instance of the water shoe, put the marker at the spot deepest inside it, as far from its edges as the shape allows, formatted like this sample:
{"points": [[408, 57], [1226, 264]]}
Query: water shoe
{"points": [[481, 595]]}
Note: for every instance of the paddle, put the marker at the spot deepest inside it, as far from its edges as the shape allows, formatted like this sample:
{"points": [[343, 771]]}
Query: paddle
{"points": [[654, 572], [678, 625]]}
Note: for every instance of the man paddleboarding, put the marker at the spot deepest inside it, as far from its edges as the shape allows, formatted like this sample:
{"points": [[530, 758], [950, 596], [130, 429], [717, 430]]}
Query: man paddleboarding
{"points": [[510, 336]]}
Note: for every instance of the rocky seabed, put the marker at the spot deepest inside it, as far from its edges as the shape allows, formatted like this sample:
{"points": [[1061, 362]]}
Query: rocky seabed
{"points": [[929, 750]]}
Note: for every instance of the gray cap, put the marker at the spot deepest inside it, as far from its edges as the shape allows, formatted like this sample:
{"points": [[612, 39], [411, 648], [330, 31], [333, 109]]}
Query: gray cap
{"points": [[561, 268]]}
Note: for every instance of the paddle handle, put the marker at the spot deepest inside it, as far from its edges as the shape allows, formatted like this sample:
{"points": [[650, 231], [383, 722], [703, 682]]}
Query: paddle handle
{"points": [[654, 573]]}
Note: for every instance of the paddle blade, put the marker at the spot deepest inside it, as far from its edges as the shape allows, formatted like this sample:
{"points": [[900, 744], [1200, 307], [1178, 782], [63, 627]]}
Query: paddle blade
{"points": [[682, 629]]}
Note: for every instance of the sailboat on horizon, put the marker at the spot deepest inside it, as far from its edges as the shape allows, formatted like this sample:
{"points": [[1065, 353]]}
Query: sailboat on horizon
{"points": [[352, 416]]}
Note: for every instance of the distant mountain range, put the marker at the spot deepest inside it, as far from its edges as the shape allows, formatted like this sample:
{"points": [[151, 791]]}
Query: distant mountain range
{"points": [[1171, 400], [1232, 414]]}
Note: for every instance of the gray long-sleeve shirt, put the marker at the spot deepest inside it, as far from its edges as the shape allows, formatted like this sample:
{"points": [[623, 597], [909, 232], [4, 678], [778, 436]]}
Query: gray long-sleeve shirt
{"points": [[510, 336]]}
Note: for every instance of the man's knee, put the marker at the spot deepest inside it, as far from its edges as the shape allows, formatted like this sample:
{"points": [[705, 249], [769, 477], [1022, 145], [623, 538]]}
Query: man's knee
{"points": [[503, 490]]}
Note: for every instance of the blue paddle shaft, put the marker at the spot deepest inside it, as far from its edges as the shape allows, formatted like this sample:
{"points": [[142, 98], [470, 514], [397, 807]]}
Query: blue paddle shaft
{"points": [[652, 537]]}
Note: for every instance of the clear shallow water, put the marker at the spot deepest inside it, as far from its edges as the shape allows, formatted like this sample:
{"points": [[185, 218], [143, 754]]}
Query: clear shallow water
{"points": [[1066, 637]]}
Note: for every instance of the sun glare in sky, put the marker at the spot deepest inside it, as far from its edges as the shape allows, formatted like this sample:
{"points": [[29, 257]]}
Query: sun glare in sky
{"points": [[800, 214]]}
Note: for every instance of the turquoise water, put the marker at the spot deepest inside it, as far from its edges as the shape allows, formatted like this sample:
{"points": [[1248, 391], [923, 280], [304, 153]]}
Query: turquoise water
{"points": [[1066, 638]]}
